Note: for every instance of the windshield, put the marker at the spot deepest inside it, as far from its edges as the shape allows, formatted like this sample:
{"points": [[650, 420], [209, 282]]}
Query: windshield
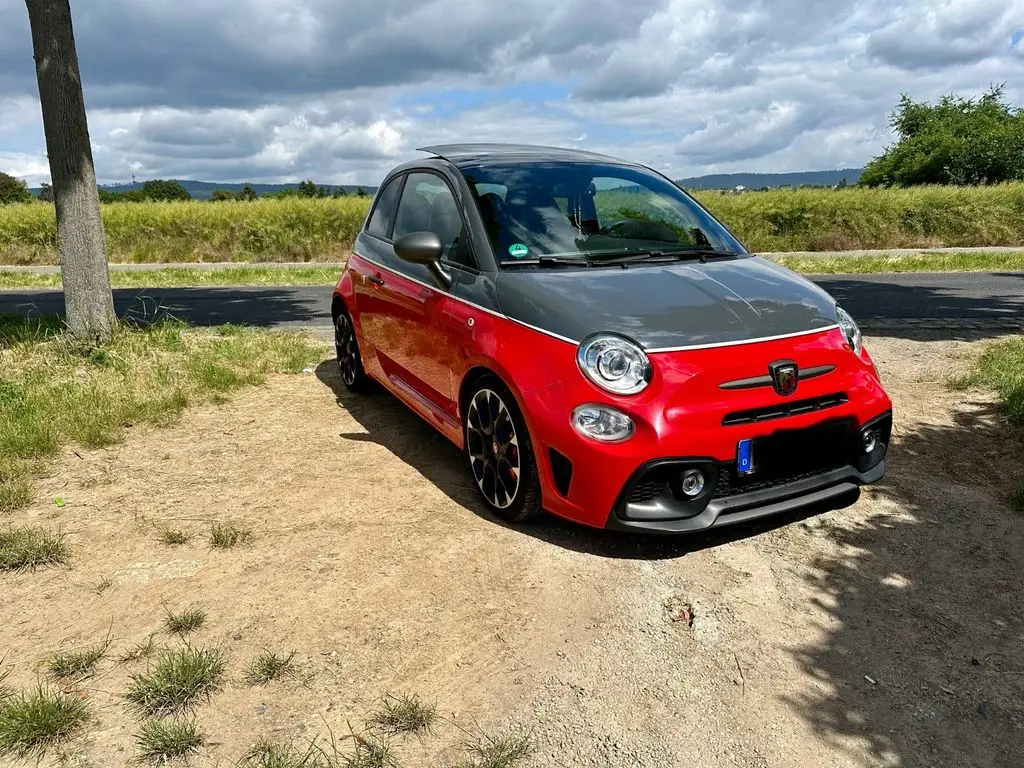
{"points": [[584, 210]]}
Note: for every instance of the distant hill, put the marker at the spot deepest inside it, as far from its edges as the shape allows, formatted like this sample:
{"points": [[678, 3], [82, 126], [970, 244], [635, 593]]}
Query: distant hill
{"points": [[759, 180]]}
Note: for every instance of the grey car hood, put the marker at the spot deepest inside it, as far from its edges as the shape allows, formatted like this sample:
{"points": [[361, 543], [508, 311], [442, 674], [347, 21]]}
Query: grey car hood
{"points": [[668, 305]]}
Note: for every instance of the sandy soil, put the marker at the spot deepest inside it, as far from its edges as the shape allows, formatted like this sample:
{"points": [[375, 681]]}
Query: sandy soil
{"points": [[889, 633]]}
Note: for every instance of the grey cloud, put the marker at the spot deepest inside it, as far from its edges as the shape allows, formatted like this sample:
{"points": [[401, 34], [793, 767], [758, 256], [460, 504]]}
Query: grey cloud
{"points": [[923, 36]]}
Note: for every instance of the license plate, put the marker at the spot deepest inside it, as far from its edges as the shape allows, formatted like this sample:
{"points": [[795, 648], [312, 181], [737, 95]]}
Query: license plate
{"points": [[745, 457]]}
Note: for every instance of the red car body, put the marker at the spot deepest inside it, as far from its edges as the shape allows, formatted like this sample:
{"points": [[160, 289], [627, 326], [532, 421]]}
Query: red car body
{"points": [[427, 346]]}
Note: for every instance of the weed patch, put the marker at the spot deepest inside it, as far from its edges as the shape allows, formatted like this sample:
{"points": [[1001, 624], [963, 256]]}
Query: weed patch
{"points": [[33, 721], [160, 741], [77, 664], [184, 623], [404, 714], [27, 547], [268, 754], [181, 678], [268, 666], [502, 751], [229, 535], [173, 537]]}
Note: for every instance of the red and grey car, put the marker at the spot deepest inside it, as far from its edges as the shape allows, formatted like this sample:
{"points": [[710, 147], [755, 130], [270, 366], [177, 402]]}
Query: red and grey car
{"points": [[601, 347]]}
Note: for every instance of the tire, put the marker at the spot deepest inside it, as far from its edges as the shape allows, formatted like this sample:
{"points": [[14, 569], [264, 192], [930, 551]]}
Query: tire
{"points": [[496, 440], [350, 360]]}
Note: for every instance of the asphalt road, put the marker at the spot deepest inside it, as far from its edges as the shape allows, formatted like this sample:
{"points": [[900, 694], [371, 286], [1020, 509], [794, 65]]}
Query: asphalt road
{"points": [[976, 299]]}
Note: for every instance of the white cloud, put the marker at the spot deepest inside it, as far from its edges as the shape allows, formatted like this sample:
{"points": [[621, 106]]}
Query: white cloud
{"points": [[265, 90]]}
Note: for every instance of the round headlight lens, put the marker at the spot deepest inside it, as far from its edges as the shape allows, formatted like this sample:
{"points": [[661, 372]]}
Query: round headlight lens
{"points": [[599, 422], [850, 329], [615, 364]]}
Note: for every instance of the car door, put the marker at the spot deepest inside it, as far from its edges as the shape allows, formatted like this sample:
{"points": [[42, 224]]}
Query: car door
{"points": [[407, 323]]}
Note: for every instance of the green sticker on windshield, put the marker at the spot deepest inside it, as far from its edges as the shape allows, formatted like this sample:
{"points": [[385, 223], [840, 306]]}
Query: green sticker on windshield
{"points": [[518, 251]]}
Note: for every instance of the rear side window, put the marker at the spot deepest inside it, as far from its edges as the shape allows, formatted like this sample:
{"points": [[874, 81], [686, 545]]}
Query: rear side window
{"points": [[384, 209]]}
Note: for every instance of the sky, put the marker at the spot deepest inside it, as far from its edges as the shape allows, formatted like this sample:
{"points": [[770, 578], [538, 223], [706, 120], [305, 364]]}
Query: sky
{"points": [[282, 90]]}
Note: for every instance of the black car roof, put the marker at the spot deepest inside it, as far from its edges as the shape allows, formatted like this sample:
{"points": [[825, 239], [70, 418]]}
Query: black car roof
{"points": [[462, 155]]}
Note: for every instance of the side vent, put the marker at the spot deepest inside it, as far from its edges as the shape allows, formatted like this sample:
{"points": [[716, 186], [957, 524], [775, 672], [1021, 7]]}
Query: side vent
{"points": [[561, 467]]}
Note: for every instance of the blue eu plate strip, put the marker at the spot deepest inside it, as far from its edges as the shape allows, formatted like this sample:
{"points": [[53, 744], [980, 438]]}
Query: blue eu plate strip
{"points": [[745, 457]]}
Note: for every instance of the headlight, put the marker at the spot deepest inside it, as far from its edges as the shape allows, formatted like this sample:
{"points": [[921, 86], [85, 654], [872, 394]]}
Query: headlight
{"points": [[850, 329], [614, 363], [599, 422]]}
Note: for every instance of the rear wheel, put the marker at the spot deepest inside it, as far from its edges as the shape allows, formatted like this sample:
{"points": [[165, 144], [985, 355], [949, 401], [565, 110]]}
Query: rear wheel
{"points": [[350, 363], [500, 453]]}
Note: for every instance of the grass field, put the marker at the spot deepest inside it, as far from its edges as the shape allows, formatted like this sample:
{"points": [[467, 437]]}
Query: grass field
{"points": [[323, 230], [53, 392]]}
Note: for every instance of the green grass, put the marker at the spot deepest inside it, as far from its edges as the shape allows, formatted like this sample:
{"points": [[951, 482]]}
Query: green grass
{"points": [[160, 741], [502, 751], [369, 752], [403, 715], [54, 392], [28, 547], [180, 678], [172, 537], [186, 622], [76, 664], [974, 261], [180, 277], [269, 754], [304, 230], [229, 535], [268, 666], [32, 721], [1001, 368]]}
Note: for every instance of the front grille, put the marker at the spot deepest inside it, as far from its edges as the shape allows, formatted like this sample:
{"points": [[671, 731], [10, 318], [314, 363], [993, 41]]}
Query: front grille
{"points": [[646, 490], [783, 410], [730, 484]]}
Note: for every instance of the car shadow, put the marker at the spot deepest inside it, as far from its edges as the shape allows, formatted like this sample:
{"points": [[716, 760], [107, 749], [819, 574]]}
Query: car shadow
{"points": [[390, 424]]}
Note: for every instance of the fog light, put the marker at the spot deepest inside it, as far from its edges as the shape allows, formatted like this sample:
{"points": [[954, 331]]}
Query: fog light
{"points": [[600, 422], [693, 483], [869, 440]]}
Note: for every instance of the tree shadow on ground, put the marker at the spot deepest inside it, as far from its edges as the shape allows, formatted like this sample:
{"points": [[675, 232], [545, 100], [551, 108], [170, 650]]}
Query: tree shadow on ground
{"points": [[920, 661], [260, 307]]}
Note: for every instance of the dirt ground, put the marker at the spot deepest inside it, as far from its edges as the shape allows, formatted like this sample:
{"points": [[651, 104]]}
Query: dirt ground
{"points": [[889, 633]]}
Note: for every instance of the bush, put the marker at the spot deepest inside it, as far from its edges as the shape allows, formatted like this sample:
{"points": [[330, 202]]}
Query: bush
{"points": [[13, 190]]}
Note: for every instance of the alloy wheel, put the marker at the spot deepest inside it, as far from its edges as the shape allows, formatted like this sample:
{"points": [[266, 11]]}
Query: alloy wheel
{"points": [[347, 349], [493, 448]]}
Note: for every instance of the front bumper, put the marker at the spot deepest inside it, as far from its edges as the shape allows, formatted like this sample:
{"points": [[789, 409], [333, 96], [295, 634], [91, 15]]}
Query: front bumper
{"points": [[812, 466], [806, 492]]}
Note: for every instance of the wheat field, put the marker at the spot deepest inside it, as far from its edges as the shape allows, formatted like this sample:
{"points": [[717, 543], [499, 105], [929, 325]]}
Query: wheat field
{"points": [[299, 229]]}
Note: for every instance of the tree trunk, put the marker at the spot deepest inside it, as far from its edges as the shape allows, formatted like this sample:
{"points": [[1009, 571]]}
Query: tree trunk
{"points": [[88, 301]]}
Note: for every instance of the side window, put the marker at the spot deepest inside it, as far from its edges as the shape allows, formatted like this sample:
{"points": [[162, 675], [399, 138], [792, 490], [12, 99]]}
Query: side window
{"points": [[384, 209], [428, 205]]}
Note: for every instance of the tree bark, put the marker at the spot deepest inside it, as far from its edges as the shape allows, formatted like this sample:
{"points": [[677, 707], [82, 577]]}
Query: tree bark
{"points": [[88, 301]]}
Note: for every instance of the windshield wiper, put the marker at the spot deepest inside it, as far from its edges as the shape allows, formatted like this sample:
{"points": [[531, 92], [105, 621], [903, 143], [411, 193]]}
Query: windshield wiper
{"points": [[684, 254]]}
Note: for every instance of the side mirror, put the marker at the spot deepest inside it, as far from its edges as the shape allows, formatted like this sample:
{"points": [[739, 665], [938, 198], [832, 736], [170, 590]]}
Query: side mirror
{"points": [[419, 248], [424, 248]]}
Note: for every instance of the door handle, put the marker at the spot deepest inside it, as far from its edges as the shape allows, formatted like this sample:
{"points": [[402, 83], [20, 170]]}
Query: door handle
{"points": [[375, 280]]}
